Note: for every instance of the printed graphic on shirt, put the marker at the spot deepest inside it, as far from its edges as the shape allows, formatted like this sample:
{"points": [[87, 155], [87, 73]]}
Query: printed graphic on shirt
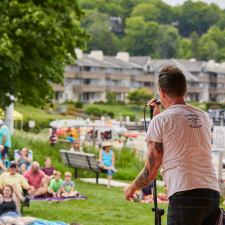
{"points": [[194, 120], [67, 187]]}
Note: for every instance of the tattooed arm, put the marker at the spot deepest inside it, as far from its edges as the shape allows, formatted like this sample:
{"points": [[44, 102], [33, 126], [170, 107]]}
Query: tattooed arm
{"points": [[150, 171]]}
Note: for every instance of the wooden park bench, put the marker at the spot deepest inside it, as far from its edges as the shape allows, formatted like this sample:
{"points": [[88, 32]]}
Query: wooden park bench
{"points": [[65, 142], [82, 161]]}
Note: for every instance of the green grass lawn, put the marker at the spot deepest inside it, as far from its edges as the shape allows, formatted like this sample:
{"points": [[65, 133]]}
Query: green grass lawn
{"points": [[117, 109], [31, 112], [103, 206]]}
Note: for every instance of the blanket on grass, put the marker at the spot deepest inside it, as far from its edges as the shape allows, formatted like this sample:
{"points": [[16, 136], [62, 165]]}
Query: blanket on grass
{"points": [[58, 199], [46, 222]]}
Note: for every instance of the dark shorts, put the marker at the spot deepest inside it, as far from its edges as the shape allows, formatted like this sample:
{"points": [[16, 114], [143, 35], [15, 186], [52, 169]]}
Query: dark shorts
{"points": [[5, 151], [196, 207]]}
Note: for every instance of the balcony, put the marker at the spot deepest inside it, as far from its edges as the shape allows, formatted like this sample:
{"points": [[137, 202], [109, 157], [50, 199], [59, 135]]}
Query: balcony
{"points": [[151, 89], [118, 89], [203, 79], [90, 75], [221, 90], [114, 76], [213, 89], [143, 78], [88, 88], [221, 79], [213, 79], [58, 87], [195, 89], [69, 74]]}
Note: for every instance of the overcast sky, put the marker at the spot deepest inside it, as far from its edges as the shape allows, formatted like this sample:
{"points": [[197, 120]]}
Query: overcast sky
{"points": [[220, 3]]}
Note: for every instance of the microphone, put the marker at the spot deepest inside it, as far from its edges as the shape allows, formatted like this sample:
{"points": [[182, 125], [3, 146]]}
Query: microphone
{"points": [[157, 102]]}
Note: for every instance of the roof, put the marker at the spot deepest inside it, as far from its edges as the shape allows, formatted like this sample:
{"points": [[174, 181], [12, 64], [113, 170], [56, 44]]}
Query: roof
{"points": [[158, 64], [107, 62], [192, 67], [141, 60]]}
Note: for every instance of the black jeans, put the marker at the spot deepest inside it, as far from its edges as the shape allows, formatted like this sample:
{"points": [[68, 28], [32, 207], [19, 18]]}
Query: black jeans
{"points": [[196, 207]]}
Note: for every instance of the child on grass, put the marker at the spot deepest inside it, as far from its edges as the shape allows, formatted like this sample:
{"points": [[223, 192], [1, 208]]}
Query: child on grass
{"points": [[55, 185], [67, 187]]}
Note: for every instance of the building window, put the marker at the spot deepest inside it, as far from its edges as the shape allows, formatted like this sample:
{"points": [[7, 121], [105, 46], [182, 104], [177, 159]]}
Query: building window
{"points": [[95, 69], [221, 75], [202, 74], [201, 85], [147, 84], [77, 82], [220, 85], [96, 96], [108, 82], [78, 68], [87, 68], [74, 96]]}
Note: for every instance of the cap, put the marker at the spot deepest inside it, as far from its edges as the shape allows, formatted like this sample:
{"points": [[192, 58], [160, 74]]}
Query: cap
{"points": [[1, 122], [12, 163]]}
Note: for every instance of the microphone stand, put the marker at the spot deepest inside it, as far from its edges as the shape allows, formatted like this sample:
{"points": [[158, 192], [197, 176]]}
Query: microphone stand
{"points": [[158, 212]]}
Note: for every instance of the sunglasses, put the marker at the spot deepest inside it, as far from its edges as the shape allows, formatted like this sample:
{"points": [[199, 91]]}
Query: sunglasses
{"points": [[13, 166]]}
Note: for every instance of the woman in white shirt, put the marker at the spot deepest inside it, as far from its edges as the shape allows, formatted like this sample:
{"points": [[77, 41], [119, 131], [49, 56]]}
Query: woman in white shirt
{"points": [[76, 147]]}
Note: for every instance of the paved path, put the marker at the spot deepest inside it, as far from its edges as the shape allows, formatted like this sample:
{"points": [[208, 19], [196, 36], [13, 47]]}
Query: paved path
{"points": [[113, 183]]}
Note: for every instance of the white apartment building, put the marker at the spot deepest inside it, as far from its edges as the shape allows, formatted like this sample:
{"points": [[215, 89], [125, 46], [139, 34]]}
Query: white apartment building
{"points": [[94, 74]]}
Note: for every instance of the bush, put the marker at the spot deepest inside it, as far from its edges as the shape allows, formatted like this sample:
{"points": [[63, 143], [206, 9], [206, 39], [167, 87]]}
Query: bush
{"points": [[104, 112], [79, 104], [131, 115], [209, 104], [93, 110], [111, 114], [63, 113], [215, 107]]}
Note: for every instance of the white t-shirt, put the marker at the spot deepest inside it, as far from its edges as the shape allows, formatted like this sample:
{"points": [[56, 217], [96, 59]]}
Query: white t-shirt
{"points": [[185, 132], [73, 150]]}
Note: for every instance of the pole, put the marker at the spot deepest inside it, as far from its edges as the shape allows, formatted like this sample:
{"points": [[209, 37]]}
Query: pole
{"points": [[158, 212]]}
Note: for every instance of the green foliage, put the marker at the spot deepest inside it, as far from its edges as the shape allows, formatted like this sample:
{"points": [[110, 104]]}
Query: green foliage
{"points": [[63, 113], [37, 40], [93, 110], [139, 95], [111, 114], [210, 104], [79, 104], [111, 97], [194, 44], [131, 115]]}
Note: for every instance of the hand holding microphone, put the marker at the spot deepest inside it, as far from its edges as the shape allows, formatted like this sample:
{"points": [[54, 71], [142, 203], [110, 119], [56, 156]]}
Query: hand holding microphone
{"points": [[156, 104]]}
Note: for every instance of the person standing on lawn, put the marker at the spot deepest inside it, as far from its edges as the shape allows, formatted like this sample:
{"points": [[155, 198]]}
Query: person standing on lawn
{"points": [[5, 139], [179, 141]]}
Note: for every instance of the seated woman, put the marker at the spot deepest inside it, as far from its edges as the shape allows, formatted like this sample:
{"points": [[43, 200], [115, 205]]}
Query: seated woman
{"points": [[23, 161], [76, 147], [107, 161], [9, 211], [48, 169]]}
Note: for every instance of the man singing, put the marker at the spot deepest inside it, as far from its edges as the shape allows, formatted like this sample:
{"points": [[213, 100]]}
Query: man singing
{"points": [[180, 141]]}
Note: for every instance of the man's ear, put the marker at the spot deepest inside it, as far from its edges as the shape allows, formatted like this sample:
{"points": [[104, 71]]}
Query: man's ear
{"points": [[163, 93]]}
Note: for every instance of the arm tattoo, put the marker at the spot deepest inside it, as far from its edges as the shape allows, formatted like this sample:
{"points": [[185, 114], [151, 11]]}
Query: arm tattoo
{"points": [[152, 159], [142, 179], [159, 147]]}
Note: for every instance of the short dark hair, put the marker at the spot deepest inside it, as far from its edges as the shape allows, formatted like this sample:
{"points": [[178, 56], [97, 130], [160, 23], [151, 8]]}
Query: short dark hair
{"points": [[172, 81]]}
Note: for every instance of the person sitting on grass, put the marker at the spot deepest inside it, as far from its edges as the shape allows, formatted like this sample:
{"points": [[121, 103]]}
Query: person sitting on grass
{"points": [[48, 170], [9, 211], [17, 181], [67, 187], [36, 178], [23, 161], [76, 147], [55, 185], [107, 161]]}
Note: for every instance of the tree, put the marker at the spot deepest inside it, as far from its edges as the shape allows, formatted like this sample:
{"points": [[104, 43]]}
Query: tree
{"points": [[140, 36], [149, 11], [139, 95], [37, 41], [194, 44], [168, 42], [111, 97]]}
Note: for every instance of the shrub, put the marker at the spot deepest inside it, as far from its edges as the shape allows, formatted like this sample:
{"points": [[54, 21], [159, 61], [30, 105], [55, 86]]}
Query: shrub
{"points": [[131, 115], [63, 113], [104, 112], [209, 104], [79, 104], [215, 107], [111, 114], [93, 110]]}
